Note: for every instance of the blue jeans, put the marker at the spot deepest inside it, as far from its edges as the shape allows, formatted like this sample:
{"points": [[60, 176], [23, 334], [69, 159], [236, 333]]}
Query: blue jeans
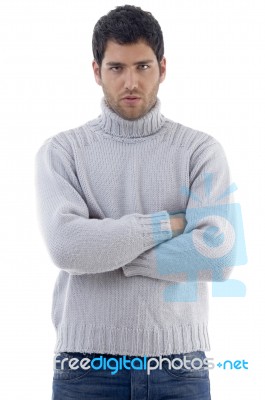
{"points": [[183, 381]]}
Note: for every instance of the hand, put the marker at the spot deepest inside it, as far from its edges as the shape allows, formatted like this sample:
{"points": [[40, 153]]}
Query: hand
{"points": [[177, 223]]}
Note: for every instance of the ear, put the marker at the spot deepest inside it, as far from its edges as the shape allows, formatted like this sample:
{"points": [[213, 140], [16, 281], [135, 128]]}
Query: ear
{"points": [[96, 69], [162, 70]]}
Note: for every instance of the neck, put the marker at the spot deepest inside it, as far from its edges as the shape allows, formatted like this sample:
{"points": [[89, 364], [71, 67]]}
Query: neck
{"points": [[111, 123]]}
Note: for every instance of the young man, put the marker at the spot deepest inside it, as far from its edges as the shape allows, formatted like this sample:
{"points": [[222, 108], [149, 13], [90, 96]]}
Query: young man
{"points": [[122, 203]]}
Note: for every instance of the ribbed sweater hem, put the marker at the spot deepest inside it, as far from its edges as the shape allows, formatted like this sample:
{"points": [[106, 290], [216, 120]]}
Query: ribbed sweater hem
{"points": [[132, 341]]}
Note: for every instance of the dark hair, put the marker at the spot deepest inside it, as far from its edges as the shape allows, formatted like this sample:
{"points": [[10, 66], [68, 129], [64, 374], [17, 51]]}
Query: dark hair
{"points": [[127, 24]]}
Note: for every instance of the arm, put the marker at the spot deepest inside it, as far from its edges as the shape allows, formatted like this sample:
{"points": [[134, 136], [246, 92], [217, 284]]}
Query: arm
{"points": [[211, 243], [77, 243]]}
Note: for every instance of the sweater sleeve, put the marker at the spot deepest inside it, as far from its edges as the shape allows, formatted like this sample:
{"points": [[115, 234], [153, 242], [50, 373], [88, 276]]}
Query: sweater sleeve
{"points": [[212, 242], [77, 243]]}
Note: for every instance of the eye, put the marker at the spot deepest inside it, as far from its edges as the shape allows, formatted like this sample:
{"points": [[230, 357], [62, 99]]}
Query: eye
{"points": [[143, 67], [115, 69]]}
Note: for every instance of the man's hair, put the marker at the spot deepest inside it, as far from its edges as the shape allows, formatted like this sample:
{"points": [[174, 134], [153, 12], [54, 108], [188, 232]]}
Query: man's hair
{"points": [[124, 25]]}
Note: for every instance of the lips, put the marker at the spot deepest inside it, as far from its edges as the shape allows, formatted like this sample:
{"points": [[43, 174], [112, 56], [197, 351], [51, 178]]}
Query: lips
{"points": [[131, 97], [131, 100]]}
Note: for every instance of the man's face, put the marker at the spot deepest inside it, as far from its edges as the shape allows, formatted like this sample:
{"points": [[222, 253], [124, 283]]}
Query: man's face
{"points": [[130, 78]]}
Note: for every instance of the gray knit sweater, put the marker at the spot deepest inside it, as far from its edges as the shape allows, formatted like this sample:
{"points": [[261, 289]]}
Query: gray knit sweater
{"points": [[104, 193]]}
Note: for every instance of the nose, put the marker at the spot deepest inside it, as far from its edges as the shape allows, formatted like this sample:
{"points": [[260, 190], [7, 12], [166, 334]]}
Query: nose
{"points": [[130, 80]]}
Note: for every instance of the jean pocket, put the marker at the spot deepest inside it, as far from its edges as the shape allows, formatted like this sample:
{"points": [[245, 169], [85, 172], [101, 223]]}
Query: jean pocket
{"points": [[187, 365], [71, 366]]}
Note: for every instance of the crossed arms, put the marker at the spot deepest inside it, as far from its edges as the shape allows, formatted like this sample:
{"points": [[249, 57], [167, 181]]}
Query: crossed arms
{"points": [[158, 245]]}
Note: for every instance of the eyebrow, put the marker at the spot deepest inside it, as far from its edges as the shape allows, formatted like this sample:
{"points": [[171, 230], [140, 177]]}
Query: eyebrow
{"points": [[118, 64]]}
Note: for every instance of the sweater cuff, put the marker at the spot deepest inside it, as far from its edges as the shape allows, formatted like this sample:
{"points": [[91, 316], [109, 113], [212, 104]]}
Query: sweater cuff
{"points": [[156, 228], [133, 270]]}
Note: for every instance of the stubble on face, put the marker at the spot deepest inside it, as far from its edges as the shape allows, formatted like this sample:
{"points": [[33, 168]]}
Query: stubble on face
{"points": [[132, 113], [143, 83]]}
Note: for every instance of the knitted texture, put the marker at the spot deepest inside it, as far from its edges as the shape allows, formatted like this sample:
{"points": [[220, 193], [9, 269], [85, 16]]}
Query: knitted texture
{"points": [[105, 192]]}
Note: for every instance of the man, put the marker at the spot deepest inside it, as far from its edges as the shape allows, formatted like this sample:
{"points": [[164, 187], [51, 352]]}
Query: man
{"points": [[120, 202]]}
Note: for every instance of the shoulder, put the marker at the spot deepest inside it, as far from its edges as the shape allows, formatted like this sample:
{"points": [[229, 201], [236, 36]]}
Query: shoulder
{"points": [[190, 137], [194, 141], [68, 141]]}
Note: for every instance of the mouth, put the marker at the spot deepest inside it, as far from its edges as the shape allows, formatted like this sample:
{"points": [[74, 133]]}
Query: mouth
{"points": [[131, 100], [131, 97]]}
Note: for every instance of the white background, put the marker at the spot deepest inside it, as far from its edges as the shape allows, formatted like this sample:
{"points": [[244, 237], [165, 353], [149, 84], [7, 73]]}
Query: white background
{"points": [[215, 83]]}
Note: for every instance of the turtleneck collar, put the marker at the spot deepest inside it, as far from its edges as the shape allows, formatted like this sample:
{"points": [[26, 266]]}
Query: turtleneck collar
{"points": [[113, 124]]}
